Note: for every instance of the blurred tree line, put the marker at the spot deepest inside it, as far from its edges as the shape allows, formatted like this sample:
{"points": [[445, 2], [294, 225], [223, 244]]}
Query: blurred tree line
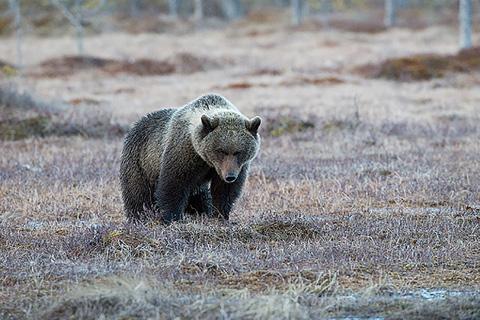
{"points": [[24, 16], [228, 9]]}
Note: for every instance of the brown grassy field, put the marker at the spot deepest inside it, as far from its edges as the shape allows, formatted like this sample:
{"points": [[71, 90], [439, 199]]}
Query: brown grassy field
{"points": [[363, 202]]}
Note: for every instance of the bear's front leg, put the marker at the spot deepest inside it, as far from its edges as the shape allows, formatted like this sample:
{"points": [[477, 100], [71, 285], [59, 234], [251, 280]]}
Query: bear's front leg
{"points": [[171, 199], [172, 191], [225, 194]]}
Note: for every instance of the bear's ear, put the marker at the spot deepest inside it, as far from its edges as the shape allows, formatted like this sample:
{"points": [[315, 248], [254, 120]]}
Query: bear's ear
{"points": [[209, 123], [253, 124]]}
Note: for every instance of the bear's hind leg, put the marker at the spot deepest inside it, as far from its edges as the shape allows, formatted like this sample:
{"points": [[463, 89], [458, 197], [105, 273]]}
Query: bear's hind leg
{"points": [[137, 195]]}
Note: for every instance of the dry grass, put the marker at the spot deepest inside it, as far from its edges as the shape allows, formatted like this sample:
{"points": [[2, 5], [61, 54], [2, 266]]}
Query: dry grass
{"points": [[68, 65], [425, 66], [304, 240], [299, 81], [364, 200], [291, 82], [23, 115]]}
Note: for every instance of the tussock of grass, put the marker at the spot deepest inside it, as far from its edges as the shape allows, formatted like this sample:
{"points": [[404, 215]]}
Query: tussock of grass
{"points": [[122, 297], [13, 128], [265, 72], [297, 81], [65, 66], [23, 115], [68, 65], [13, 98], [114, 242], [424, 66], [300, 81], [16, 129], [370, 26], [5, 24], [84, 100], [241, 85], [118, 242], [125, 298]]}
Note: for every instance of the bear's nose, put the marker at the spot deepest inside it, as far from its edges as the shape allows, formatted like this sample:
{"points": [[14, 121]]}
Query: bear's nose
{"points": [[230, 178]]}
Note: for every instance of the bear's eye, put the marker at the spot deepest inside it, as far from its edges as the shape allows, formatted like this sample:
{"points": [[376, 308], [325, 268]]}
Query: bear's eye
{"points": [[236, 153]]}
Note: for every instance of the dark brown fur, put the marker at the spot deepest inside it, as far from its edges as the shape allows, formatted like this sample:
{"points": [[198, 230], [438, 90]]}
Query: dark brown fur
{"points": [[194, 159]]}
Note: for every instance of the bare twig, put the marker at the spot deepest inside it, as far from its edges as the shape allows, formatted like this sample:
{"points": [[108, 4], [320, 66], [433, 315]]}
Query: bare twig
{"points": [[75, 20]]}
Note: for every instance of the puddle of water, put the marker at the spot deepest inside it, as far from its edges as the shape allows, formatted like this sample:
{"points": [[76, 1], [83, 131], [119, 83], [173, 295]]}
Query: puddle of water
{"points": [[418, 295], [439, 294]]}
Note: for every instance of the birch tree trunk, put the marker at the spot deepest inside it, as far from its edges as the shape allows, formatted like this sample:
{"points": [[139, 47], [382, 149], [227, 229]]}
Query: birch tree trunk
{"points": [[298, 10], [390, 13], [198, 10], [232, 9], [133, 4], [79, 26], [465, 23], [15, 9], [173, 8], [74, 19]]}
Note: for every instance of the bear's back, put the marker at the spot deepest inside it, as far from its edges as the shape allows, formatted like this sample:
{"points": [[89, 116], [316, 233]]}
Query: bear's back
{"points": [[151, 126], [208, 103], [190, 114]]}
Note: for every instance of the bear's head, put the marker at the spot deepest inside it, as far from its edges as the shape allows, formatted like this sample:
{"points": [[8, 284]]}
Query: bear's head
{"points": [[227, 141]]}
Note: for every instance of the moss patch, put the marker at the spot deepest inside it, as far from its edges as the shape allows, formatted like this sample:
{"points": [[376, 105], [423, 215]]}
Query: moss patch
{"points": [[15, 129]]}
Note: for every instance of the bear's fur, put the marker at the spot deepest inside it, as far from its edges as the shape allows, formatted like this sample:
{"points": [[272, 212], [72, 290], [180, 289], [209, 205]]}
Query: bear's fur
{"points": [[194, 159]]}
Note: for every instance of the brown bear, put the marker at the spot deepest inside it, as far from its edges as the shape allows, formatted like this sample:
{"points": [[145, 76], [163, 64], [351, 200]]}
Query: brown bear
{"points": [[194, 159]]}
